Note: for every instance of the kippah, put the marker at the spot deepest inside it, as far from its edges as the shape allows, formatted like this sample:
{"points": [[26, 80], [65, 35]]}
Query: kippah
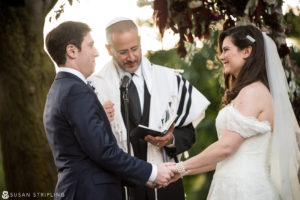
{"points": [[116, 20]]}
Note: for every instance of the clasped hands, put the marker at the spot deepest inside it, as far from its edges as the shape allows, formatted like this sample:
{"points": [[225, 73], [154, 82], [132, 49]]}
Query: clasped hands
{"points": [[166, 174]]}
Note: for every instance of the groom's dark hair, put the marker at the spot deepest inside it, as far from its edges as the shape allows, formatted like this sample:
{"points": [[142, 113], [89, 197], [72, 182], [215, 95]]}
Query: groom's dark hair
{"points": [[64, 34]]}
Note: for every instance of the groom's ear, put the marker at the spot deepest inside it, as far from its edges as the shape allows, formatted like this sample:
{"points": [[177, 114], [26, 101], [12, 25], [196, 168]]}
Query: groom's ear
{"points": [[71, 51]]}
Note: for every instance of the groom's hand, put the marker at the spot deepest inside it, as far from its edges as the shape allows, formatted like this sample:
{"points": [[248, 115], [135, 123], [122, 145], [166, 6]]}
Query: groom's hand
{"points": [[164, 175], [177, 175], [150, 184]]}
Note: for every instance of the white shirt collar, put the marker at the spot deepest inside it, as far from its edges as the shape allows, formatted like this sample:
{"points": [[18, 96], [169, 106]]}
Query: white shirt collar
{"points": [[73, 71]]}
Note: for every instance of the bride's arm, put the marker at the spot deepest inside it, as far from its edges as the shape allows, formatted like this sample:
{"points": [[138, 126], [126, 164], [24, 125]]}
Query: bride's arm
{"points": [[207, 159], [246, 103], [191, 172], [201, 170], [216, 152]]}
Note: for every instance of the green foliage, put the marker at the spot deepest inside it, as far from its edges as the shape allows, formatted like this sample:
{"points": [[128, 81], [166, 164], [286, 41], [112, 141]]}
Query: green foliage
{"points": [[293, 21], [206, 80], [295, 56]]}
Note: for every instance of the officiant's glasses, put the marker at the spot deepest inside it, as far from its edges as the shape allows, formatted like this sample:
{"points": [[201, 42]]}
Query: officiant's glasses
{"points": [[125, 52]]}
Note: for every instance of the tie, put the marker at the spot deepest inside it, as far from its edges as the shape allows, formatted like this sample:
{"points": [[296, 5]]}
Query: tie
{"points": [[134, 105]]}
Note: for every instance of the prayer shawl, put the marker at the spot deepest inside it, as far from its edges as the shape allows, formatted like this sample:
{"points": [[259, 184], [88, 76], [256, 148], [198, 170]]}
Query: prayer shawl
{"points": [[170, 93]]}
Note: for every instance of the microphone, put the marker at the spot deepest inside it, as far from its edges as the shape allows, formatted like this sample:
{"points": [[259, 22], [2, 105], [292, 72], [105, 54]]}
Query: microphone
{"points": [[125, 80]]}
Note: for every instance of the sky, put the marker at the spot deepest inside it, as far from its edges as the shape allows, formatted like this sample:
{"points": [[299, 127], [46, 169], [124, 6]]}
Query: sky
{"points": [[98, 13]]}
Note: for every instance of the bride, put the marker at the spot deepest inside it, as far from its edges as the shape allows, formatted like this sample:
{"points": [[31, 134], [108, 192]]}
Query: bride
{"points": [[256, 156]]}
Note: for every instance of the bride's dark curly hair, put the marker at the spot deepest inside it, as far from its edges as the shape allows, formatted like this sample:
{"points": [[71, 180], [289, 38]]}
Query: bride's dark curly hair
{"points": [[254, 68]]}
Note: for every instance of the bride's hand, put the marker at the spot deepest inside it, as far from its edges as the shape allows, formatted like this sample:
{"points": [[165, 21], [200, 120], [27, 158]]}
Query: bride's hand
{"points": [[177, 175]]}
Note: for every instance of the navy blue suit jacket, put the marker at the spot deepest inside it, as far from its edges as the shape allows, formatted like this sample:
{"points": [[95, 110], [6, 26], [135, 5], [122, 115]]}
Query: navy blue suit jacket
{"points": [[90, 164]]}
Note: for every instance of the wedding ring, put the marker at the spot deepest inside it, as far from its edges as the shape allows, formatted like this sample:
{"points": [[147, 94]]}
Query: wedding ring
{"points": [[157, 144]]}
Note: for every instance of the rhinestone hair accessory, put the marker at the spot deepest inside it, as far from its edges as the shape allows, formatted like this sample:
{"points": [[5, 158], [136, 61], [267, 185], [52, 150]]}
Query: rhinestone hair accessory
{"points": [[250, 38]]}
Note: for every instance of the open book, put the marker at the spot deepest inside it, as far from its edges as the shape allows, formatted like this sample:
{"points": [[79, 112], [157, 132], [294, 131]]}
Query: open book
{"points": [[141, 130]]}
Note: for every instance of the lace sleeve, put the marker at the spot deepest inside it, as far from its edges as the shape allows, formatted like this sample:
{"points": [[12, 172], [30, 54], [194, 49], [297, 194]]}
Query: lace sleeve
{"points": [[245, 126]]}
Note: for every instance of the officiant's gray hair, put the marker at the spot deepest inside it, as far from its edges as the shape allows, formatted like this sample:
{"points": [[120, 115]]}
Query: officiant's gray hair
{"points": [[119, 25]]}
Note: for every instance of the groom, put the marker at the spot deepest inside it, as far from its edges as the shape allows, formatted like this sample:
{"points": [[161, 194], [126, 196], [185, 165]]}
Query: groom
{"points": [[90, 164]]}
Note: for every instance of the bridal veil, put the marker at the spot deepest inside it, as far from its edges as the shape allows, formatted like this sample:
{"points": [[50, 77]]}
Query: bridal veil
{"points": [[284, 150]]}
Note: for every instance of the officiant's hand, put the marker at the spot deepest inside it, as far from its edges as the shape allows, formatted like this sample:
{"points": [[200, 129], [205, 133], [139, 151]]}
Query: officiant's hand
{"points": [[109, 110], [161, 141]]}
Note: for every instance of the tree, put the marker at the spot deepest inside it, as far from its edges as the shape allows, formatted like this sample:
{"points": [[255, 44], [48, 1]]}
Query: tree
{"points": [[26, 74]]}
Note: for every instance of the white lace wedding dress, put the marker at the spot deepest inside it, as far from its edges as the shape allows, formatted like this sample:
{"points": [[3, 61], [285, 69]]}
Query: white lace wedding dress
{"points": [[245, 174]]}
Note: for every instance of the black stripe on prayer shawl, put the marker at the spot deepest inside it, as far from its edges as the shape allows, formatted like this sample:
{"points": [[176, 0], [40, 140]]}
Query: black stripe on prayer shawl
{"points": [[178, 81], [182, 97], [188, 106]]}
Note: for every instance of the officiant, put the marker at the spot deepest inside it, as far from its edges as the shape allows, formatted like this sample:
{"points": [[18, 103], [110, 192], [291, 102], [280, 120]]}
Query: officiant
{"points": [[155, 94]]}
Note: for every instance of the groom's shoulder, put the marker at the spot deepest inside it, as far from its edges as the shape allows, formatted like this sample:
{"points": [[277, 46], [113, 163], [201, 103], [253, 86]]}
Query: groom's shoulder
{"points": [[77, 88], [70, 86]]}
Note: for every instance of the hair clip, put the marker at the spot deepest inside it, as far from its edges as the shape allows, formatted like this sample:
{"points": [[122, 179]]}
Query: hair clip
{"points": [[250, 38]]}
